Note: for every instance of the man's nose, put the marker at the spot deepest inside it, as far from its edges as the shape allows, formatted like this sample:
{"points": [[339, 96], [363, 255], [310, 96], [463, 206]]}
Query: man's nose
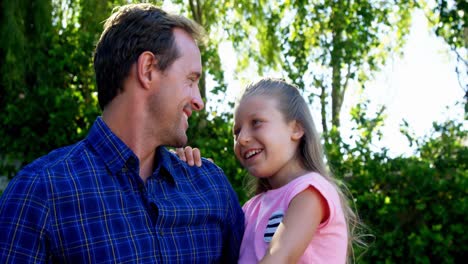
{"points": [[197, 101]]}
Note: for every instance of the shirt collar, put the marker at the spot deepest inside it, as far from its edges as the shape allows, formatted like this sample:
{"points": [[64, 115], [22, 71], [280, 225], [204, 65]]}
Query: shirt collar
{"points": [[165, 163], [115, 153], [109, 147]]}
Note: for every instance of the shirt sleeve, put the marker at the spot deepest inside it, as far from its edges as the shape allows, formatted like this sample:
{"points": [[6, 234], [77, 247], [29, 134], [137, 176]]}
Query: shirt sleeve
{"points": [[23, 214], [322, 186], [233, 226]]}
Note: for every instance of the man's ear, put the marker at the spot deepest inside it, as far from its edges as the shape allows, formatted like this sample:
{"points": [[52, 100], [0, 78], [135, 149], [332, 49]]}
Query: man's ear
{"points": [[297, 130], [146, 70]]}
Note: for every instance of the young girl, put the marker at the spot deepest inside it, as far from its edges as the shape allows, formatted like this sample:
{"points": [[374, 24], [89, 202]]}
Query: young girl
{"points": [[299, 214]]}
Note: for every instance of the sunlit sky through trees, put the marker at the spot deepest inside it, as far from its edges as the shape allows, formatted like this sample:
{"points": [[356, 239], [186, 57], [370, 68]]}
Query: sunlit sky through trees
{"points": [[421, 86], [417, 87]]}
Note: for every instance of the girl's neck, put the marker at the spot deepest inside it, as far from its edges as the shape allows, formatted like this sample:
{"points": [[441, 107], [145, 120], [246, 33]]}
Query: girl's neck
{"points": [[292, 171]]}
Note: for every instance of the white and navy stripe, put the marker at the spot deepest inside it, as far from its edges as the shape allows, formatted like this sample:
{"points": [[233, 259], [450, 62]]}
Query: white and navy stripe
{"points": [[273, 223]]}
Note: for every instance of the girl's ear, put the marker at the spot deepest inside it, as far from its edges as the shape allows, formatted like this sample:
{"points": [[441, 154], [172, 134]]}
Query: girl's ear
{"points": [[145, 69], [297, 130]]}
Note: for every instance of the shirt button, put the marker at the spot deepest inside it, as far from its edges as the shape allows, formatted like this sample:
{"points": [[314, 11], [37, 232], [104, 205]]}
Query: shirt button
{"points": [[131, 161]]}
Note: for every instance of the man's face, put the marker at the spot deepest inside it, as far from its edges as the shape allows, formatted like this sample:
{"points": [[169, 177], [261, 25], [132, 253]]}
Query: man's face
{"points": [[177, 93]]}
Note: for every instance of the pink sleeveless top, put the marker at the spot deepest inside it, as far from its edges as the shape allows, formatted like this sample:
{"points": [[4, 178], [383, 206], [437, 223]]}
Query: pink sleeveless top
{"points": [[264, 212]]}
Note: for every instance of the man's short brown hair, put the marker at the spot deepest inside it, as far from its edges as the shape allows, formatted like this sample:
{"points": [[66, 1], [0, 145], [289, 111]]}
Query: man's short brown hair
{"points": [[131, 30]]}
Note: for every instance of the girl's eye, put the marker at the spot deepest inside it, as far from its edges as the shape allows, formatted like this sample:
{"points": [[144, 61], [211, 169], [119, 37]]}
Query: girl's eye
{"points": [[255, 122], [236, 132]]}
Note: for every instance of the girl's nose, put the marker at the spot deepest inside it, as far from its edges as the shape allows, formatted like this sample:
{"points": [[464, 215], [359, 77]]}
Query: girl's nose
{"points": [[243, 137]]}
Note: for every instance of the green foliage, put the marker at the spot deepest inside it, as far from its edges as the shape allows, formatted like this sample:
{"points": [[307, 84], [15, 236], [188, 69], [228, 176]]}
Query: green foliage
{"points": [[450, 21], [415, 208], [324, 47], [48, 95]]}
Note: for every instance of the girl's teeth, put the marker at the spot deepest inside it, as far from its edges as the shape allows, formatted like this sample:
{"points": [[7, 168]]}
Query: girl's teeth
{"points": [[251, 153]]}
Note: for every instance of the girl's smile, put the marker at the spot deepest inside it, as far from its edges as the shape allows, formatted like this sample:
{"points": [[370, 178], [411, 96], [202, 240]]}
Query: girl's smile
{"points": [[265, 144], [251, 153]]}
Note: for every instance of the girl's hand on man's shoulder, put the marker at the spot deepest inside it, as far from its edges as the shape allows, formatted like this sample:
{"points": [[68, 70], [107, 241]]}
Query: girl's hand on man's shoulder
{"points": [[190, 155]]}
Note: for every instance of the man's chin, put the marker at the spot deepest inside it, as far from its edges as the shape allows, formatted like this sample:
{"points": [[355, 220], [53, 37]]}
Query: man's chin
{"points": [[180, 142]]}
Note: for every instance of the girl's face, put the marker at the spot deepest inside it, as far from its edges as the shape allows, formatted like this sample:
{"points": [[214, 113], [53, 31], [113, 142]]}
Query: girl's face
{"points": [[264, 143]]}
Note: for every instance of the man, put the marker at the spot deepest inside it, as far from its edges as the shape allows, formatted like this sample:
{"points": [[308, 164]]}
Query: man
{"points": [[119, 195]]}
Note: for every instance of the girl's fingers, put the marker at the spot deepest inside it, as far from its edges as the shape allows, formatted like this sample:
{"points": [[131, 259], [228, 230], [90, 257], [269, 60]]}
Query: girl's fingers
{"points": [[189, 155], [181, 153], [197, 157]]}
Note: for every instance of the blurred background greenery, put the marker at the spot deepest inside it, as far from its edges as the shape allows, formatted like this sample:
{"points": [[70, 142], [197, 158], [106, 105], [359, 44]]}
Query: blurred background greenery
{"points": [[414, 206]]}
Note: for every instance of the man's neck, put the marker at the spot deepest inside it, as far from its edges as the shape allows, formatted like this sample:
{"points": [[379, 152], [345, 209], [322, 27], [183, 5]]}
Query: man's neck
{"points": [[129, 128]]}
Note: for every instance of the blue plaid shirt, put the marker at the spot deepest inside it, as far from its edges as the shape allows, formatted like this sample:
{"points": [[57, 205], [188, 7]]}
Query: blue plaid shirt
{"points": [[86, 203]]}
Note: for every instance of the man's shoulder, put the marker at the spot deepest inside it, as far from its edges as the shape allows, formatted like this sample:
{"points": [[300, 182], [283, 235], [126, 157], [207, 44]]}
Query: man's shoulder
{"points": [[207, 165], [34, 180], [208, 172], [57, 160], [208, 168]]}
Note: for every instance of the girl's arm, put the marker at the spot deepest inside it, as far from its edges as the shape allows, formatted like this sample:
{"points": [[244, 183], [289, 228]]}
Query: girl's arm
{"points": [[305, 213]]}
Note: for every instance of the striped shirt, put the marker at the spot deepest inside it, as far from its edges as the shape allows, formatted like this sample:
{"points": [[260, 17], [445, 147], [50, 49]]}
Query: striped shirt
{"points": [[86, 203]]}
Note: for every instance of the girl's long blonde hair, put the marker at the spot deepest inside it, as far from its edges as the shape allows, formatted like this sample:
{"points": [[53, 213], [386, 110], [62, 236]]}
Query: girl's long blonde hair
{"points": [[310, 153]]}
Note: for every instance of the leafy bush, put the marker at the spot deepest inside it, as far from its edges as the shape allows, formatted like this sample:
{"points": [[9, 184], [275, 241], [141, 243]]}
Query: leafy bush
{"points": [[416, 207]]}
